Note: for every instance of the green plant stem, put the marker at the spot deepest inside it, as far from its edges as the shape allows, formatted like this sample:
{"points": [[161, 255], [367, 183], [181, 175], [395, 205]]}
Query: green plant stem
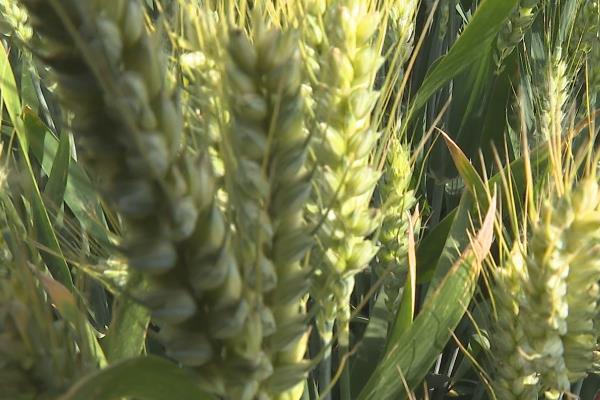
{"points": [[345, 388], [325, 370]]}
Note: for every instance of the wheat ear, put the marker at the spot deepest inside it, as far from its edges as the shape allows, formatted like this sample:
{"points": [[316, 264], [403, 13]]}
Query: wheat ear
{"points": [[268, 187], [128, 125], [557, 316], [514, 376], [398, 200], [514, 29], [344, 99]]}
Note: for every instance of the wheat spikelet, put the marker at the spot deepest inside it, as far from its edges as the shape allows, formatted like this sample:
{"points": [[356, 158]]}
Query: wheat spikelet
{"points": [[550, 92], [344, 100], [401, 28], [14, 20], [553, 97], [313, 36], [560, 304], [393, 236], [268, 189], [205, 109], [129, 129], [443, 19], [514, 377], [544, 308], [513, 31], [201, 52], [583, 291]]}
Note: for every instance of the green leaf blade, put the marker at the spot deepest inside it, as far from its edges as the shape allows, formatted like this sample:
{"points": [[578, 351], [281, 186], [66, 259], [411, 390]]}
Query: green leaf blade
{"points": [[412, 355], [144, 378]]}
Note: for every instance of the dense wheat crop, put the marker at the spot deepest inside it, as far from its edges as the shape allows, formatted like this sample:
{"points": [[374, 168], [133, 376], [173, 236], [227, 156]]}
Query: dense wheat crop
{"points": [[299, 200]]}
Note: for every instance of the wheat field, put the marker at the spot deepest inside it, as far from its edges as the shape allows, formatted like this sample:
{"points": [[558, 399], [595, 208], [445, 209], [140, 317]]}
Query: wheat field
{"points": [[299, 199]]}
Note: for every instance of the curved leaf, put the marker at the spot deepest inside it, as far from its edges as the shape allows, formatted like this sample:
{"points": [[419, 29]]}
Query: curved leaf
{"points": [[57, 180], [144, 378], [412, 355], [431, 247], [45, 232], [476, 38], [406, 311], [127, 332]]}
